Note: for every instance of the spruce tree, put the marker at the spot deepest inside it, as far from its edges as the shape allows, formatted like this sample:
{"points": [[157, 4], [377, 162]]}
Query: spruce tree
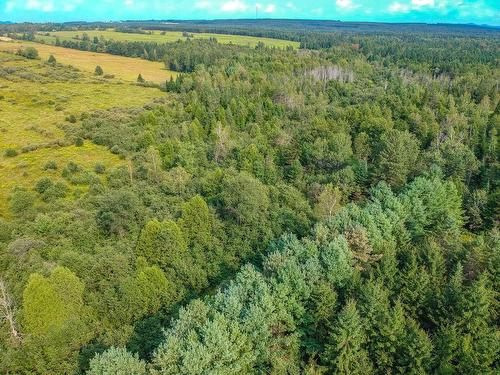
{"points": [[345, 352]]}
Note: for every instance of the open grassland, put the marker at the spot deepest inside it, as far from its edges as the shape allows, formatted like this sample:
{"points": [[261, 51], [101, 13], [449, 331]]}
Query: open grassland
{"points": [[36, 101], [168, 36], [126, 68]]}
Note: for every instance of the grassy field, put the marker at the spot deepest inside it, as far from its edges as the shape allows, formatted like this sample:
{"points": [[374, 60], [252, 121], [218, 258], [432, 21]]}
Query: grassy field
{"points": [[170, 36], [126, 68], [35, 99]]}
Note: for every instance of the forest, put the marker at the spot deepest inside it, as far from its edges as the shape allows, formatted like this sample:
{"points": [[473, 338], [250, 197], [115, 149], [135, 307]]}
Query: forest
{"points": [[332, 209]]}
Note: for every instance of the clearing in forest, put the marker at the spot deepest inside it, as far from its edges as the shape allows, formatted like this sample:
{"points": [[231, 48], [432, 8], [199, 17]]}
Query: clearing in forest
{"points": [[36, 101], [126, 68], [166, 36]]}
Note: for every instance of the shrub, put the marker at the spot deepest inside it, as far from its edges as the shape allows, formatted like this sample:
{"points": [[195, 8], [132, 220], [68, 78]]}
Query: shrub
{"points": [[71, 118], [98, 71], [28, 52], [55, 191], [52, 60], [99, 168], [140, 79], [43, 184], [50, 165], [10, 153], [79, 142], [21, 202]]}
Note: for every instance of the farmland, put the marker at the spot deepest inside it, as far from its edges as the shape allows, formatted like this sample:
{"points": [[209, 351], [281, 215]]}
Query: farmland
{"points": [[36, 99], [126, 68], [168, 36]]}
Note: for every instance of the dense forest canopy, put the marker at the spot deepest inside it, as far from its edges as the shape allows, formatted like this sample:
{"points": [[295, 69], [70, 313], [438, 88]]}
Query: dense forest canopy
{"points": [[327, 210]]}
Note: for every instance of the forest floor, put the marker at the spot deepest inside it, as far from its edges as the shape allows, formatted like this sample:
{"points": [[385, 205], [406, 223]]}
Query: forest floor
{"points": [[169, 36], [35, 100], [126, 68]]}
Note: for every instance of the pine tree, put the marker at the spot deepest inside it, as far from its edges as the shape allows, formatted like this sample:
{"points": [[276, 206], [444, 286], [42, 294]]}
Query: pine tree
{"points": [[52, 60], [98, 71], [116, 361], [140, 79], [345, 351]]}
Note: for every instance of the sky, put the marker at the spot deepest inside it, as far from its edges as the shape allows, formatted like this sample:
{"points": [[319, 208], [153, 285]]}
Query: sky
{"points": [[430, 11]]}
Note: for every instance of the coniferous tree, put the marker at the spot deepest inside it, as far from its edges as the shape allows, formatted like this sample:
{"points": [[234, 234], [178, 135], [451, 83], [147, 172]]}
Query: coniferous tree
{"points": [[345, 352]]}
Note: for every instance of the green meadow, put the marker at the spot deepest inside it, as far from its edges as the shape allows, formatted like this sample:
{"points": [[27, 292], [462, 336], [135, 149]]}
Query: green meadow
{"points": [[36, 101], [165, 37]]}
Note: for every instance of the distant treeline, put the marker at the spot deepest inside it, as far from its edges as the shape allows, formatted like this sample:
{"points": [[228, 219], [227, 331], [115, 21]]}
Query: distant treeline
{"points": [[431, 53]]}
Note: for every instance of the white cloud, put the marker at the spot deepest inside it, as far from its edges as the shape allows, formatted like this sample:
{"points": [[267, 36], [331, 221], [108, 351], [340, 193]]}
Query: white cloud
{"points": [[422, 3], [9, 6], [291, 5], [415, 5], [397, 7], [128, 2], [203, 4], [44, 6], [346, 4], [270, 8], [234, 6]]}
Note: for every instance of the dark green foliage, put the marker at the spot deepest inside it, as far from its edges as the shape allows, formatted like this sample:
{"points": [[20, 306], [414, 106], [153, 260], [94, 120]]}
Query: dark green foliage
{"points": [[28, 52], [99, 168], [10, 153], [52, 60], [344, 349], [98, 71]]}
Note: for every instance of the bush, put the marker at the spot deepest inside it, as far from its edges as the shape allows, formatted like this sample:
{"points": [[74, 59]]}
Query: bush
{"points": [[52, 60], [79, 142], [98, 71], [55, 191], [43, 184], [71, 118], [10, 153], [21, 202], [50, 165], [99, 168], [140, 79], [28, 52]]}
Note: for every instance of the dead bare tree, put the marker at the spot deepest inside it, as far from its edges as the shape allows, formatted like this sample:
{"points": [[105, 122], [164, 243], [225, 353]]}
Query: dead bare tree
{"points": [[332, 72], [7, 311]]}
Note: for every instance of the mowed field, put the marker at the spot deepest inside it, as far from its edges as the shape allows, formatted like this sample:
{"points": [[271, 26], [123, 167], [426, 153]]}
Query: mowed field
{"points": [[169, 36], [35, 100], [126, 68]]}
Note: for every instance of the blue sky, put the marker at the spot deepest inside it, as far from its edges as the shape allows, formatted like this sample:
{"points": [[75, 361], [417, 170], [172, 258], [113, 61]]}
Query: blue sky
{"points": [[452, 11]]}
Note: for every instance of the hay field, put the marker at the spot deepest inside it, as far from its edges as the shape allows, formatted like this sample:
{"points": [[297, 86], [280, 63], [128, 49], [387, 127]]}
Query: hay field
{"points": [[169, 36], [126, 68]]}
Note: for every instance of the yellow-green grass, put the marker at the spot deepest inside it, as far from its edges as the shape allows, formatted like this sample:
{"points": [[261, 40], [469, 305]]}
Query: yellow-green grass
{"points": [[126, 68], [169, 36], [30, 113]]}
